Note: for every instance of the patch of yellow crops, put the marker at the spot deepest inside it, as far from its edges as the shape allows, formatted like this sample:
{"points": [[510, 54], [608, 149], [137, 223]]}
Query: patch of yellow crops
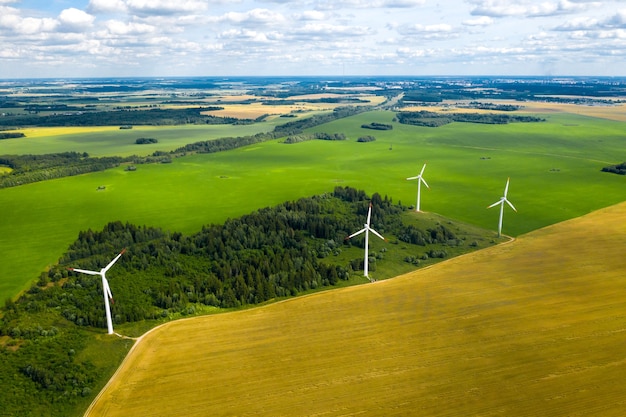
{"points": [[254, 110], [533, 327], [614, 112], [39, 132]]}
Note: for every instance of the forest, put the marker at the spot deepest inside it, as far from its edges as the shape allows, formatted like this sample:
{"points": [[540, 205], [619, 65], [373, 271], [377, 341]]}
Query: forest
{"points": [[151, 117], [432, 119], [619, 169], [32, 168], [272, 253]]}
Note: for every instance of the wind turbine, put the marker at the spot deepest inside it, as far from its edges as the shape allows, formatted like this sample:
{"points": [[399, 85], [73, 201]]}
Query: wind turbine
{"points": [[420, 180], [366, 229], [105, 288], [502, 200]]}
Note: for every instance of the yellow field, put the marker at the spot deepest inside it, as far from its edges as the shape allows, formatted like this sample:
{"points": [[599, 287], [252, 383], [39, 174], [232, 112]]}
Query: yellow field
{"points": [[616, 112], [535, 327], [42, 132], [254, 110]]}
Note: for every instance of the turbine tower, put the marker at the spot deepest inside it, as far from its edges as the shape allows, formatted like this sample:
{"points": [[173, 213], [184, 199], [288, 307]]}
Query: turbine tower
{"points": [[366, 229], [503, 200], [420, 180], [105, 288]]}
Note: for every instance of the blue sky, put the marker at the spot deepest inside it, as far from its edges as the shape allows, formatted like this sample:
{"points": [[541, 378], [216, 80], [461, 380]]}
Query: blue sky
{"points": [[100, 38]]}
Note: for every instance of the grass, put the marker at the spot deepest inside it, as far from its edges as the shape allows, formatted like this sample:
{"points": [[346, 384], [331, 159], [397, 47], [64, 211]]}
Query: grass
{"points": [[554, 169], [533, 327]]}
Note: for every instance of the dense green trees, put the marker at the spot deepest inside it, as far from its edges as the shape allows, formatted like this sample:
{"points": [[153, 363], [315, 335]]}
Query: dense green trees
{"points": [[377, 126], [433, 119], [155, 117], [616, 169], [32, 168], [11, 135]]}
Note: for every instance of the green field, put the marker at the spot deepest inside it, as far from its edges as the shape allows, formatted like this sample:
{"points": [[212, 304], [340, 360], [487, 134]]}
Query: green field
{"points": [[554, 169], [112, 141]]}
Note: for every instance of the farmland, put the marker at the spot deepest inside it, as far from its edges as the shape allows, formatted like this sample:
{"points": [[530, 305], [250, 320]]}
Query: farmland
{"points": [[551, 164], [533, 327], [466, 306]]}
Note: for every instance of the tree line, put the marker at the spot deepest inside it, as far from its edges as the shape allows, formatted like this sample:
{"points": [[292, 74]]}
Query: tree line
{"points": [[151, 117], [433, 119], [619, 169], [33, 168]]}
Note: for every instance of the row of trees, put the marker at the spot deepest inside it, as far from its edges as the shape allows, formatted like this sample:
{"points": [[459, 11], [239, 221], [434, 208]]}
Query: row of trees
{"points": [[377, 126], [303, 137], [619, 169], [433, 119], [153, 117], [32, 168]]}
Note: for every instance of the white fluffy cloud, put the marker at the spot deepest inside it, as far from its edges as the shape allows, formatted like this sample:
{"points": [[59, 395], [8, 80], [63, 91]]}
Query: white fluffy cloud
{"points": [[75, 20]]}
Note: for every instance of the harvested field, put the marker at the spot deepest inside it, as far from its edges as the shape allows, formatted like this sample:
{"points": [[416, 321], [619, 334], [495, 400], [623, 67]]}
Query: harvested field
{"points": [[533, 327], [257, 109], [616, 112]]}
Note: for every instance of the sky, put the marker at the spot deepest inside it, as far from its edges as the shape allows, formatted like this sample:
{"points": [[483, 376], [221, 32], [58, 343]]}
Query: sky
{"points": [[125, 38]]}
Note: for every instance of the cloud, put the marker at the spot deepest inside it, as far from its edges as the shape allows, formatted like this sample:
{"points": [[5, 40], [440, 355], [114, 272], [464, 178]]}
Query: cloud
{"points": [[250, 36], [310, 15], [431, 32], [116, 27], [255, 16], [165, 7], [616, 21], [106, 6], [525, 8], [74, 20], [327, 31], [28, 25], [479, 21], [367, 4]]}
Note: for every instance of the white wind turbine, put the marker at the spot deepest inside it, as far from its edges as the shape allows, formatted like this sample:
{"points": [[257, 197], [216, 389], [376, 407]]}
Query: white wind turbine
{"points": [[105, 288], [502, 200], [420, 180], [366, 229]]}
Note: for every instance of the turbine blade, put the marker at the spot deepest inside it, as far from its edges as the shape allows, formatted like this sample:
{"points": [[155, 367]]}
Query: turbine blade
{"points": [[424, 181], [511, 204], [106, 287], [495, 204], [356, 233], [84, 271], [506, 188], [106, 268], [369, 214], [377, 234], [423, 168], [413, 178]]}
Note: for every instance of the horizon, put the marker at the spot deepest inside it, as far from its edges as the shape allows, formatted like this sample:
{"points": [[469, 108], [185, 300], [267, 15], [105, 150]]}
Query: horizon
{"points": [[318, 77]]}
